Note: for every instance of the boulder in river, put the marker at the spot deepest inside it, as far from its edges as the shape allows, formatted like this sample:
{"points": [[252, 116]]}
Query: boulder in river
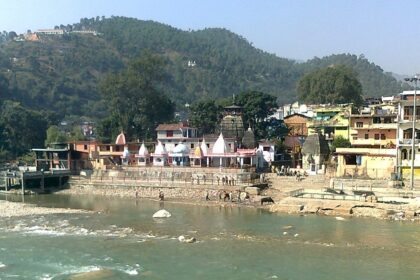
{"points": [[162, 214]]}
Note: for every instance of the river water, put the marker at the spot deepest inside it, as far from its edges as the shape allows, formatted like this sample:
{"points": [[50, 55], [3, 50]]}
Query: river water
{"points": [[121, 240]]}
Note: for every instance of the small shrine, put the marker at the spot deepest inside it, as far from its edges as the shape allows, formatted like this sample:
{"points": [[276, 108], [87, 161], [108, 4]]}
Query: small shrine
{"points": [[160, 156], [143, 156], [180, 155]]}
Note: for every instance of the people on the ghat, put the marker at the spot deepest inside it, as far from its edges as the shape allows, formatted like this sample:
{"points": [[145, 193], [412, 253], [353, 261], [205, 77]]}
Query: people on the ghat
{"points": [[207, 196]]}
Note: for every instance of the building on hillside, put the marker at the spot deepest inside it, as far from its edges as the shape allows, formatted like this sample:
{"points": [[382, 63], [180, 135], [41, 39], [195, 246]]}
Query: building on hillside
{"points": [[405, 133], [371, 163], [330, 121], [32, 37], [50, 32]]}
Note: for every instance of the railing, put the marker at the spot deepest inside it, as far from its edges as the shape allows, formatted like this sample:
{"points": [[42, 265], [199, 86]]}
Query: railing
{"points": [[297, 192], [408, 141], [376, 126], [333, 196]]}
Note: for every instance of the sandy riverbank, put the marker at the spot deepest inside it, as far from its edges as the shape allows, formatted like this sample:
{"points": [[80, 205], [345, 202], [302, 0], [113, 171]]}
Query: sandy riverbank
{"points": [[16, 209]]}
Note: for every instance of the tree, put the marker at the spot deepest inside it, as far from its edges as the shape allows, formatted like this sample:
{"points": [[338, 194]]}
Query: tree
{"points": [[205, 115], [257, 107], [340, 142], [272, 129], [54, 135], [21, 129], [76, 134], [135, 101], [336, 85]]}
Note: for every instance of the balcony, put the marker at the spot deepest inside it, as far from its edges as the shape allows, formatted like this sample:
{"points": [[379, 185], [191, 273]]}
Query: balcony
{"points": [[405, 142], [409, 118], [371, 142], [376, 126]]}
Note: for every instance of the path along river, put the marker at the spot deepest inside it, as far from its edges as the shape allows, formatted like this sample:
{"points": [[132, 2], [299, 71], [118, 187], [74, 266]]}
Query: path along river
{"points": [[119, 239]]}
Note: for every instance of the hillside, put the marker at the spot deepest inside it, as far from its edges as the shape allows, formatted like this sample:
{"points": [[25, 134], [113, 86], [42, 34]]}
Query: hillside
{"points": [[61, 73]]}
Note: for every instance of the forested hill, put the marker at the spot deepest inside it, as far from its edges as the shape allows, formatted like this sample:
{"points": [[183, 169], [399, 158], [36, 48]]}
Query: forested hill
{"points": [[62, 72]]}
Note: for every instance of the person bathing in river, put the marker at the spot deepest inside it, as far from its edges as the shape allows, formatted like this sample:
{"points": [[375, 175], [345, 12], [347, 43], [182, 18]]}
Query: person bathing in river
{"points": [[161, 196]]}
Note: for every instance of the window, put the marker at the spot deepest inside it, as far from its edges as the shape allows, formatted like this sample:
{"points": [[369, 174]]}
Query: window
{"points": [[376, 136], [383, 137], [354, 137], [169, 133], [366, 136], [408, 111], [350, 159], [353, 159], [85, 147], [359, 124], [192, 146]]}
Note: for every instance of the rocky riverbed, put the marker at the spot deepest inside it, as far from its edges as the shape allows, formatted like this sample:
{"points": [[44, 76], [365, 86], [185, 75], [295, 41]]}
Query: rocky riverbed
{"points": [[17, 209]]}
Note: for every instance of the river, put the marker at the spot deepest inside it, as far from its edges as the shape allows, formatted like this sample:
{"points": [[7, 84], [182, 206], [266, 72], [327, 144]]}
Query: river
{"points": [[119, 239]]}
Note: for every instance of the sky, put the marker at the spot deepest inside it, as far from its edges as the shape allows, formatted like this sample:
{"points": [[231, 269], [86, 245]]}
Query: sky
{"points": [[386, 32]]}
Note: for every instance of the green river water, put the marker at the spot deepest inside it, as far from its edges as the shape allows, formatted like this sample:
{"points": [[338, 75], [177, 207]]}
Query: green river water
{"points": [[121, 240]]}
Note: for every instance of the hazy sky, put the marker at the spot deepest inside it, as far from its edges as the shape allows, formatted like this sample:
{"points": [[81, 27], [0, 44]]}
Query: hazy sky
{"points": [[386, 32]]}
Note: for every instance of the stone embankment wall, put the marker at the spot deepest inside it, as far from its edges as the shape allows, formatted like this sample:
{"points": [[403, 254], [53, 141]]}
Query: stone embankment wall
{"points": [[144, 191], [184, 183], [151, 189]]}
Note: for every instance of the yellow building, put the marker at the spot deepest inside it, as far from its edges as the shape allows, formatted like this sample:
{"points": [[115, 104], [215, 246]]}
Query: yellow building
{"points": [[331, 121], [366, 162]]}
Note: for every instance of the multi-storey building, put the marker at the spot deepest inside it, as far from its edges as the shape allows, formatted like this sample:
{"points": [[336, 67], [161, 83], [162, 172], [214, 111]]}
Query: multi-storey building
{"points": [[405, 134], [374, 127], [330, 121]]}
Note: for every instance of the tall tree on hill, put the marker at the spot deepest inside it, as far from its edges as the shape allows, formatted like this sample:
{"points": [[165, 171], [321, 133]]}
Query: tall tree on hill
{"points": [[335, 84], [257, 107], [135, 101]]}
